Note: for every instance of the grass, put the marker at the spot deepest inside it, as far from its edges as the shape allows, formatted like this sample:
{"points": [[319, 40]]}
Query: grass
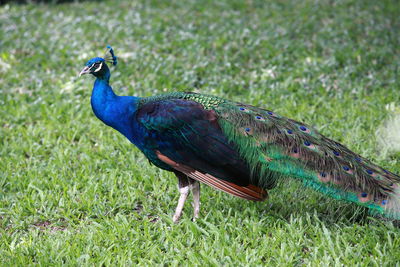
{"points": [[75, 192]]}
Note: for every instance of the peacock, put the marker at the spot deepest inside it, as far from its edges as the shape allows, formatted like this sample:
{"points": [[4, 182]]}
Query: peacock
{"points": [[237, 148]]}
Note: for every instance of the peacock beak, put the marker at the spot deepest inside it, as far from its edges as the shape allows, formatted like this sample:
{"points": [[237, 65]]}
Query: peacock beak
{"points": [[86, 70]]}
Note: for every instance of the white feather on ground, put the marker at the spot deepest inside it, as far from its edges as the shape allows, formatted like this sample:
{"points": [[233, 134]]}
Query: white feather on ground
{"points": [[388, 134]]}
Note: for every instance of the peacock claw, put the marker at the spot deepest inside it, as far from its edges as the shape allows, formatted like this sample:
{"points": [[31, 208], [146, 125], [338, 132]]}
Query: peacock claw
{"points": [[175, 219], [186, 184]]}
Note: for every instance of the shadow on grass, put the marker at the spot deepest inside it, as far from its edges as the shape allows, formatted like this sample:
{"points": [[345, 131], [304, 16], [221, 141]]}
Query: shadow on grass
{"points": [[331, 214]]}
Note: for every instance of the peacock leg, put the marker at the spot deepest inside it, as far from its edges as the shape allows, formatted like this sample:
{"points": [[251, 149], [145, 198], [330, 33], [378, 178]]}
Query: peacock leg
{"points": [[195, 186], [183, 187]]}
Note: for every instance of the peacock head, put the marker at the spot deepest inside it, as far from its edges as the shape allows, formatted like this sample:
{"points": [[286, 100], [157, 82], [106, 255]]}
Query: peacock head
{"points": [[98, 65]]}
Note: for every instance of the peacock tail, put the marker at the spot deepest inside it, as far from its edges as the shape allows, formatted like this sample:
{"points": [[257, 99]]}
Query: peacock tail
{"points": [[275, 148]]}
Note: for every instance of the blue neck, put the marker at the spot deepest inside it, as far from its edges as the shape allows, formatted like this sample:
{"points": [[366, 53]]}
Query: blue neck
{"points": [[115, 111], [103, 97]]}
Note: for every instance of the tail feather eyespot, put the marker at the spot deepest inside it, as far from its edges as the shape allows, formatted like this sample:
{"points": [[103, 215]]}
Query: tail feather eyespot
{"points": [[295, 153], [248, 130], [364, 197], [259, 118], [324, 177], [304, 129]]}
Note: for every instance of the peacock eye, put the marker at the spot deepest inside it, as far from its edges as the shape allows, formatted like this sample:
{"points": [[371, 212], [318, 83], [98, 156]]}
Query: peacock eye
{"points": [[96, 66]]}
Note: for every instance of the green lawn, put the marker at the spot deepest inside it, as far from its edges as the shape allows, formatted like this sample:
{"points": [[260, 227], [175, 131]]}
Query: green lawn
{"points": [[75, 192]]}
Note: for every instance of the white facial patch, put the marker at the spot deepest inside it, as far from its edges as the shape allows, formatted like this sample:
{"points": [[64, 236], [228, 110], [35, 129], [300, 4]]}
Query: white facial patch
{"points": [[99, 67]]}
